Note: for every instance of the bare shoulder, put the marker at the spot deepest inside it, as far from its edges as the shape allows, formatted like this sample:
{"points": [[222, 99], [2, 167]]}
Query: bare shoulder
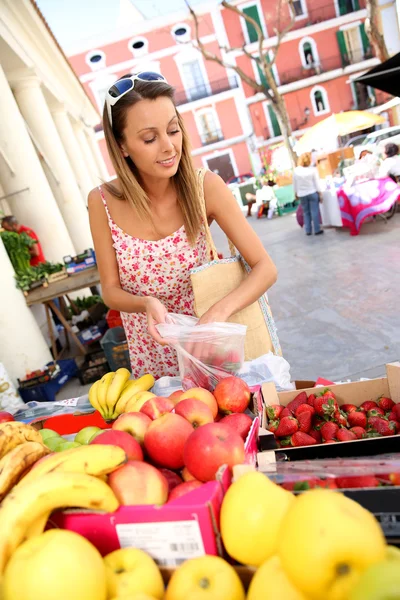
{"points": [[213, 181]]}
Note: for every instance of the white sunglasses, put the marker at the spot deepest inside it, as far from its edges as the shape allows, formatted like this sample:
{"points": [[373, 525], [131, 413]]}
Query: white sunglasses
{"points": [[125, 85]]}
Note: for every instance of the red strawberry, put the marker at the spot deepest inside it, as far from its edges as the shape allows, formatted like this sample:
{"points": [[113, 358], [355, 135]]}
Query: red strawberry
{"points": [[396, 409], [340, 418], [359, 481], [310, 484], [317, 422], [395, 424], [285, 413], [305, 408], [376, 412], [328, 483], [358, 431], [382, 426], [316, 435], [392, 415], [357, 419], [287, 426], [302, 439], [385, 403], [305, 419], [329, 430], [298, 401], [345, 435], [368, 405], [329, 441], [310, 399], [395, 478], [273, 426], [324, 406], [348, 408], [274, 411], [328, 394]]}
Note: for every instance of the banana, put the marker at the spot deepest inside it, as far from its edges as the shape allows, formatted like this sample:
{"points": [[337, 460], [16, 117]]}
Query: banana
{"points": [[102, 390], [16, 462], [26, 503], [115, 388], [93, 396], [133, 388], [14, 433]]}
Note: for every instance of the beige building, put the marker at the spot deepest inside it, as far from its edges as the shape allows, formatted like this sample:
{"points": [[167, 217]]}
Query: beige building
{"points": [[49, 160]]}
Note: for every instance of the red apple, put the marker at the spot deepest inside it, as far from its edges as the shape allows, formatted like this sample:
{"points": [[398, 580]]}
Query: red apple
{"points": [[211, 446], [5, 416], [194, 411], [175, 396], [134, 423], [156, 407], [232, 395], [110, 437], [239, 422], [186, 474], [172, 478], [184, 488], [204, 396], [165, 438], [138, 483]]}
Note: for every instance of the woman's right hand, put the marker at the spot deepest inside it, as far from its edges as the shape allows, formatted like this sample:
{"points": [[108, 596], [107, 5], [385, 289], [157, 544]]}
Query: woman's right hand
{"points": [[155, 313]]}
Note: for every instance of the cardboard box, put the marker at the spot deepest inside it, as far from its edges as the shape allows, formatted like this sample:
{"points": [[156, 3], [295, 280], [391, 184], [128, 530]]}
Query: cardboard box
{"points": [[355, 393], [184, 528]]}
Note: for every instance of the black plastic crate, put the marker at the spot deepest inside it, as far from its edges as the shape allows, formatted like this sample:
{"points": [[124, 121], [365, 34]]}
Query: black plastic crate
{"points": [[92, 367]]}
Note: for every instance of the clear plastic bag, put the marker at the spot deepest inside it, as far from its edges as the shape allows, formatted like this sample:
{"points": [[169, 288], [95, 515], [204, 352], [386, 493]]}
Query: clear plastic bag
{"points": [[206, 353]]}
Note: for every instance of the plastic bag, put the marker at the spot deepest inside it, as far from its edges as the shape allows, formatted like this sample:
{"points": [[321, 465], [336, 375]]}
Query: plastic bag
{"points": [[10, 400], [206, 353], [268, 367]]}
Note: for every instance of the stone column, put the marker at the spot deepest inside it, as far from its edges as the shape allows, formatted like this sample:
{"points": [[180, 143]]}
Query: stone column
{"points": [[73, 150], [20, 169], [90, 164], [22, 346], [99, 160], [36, 113]]}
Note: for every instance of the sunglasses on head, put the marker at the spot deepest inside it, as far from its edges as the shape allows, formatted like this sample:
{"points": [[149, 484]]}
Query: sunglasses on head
{"points": [[125, 85]]}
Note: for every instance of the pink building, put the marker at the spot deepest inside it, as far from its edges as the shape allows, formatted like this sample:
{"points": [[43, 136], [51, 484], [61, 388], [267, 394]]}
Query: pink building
{"points": [[228, 122]]}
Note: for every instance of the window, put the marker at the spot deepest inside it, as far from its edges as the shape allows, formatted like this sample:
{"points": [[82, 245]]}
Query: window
{"points": [[300, 9], [259, 73], [139, 46], [272, 121], [96, 59], [252, 10], [348, 6], [319, 101], [353, 44], [208, 126], [308, 53], [194, 80], [181, 33]]}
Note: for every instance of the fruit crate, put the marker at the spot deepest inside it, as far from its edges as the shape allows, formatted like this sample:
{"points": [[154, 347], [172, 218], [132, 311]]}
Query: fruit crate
{"points": [[116, 349], [46, 392], [92, 367]]}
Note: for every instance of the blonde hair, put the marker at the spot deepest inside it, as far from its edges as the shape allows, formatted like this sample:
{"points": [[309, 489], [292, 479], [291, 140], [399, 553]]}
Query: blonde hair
{"points": [[304, 160], [185, 180]]}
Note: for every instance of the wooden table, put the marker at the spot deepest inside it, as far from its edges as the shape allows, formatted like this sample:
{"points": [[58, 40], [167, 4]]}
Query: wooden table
{"points": [[59, 289]]}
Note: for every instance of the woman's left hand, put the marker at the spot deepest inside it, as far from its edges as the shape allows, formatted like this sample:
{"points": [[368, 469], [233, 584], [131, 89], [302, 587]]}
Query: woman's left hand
{"points": [[215, 314]]}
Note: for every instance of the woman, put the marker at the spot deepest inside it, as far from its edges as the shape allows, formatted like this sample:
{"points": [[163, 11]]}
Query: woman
{"points": [[306, 189], [390, 167], [265, 199], [147, 226]]}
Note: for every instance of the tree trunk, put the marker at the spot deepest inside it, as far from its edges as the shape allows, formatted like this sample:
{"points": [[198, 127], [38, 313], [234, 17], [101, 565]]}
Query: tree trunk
{"points": [[373, 31]]}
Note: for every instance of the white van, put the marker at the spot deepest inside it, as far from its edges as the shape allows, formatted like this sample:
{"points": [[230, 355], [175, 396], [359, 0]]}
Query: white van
{"points": [[377, 140]]}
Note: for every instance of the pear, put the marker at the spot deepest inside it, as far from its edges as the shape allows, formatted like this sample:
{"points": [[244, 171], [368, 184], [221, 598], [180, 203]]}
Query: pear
{"points": [[379, 582]]}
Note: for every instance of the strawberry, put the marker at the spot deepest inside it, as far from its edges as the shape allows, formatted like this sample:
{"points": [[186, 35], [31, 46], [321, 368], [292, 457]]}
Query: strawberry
{"points": [[273, 426], [329, 441], [382, 426], [302, 439], [324, 406], [329, 430], [340, 418], [359, 481], [287, 426], [317, 422], [394, 424], [376, 412], [345, 435], [395, 478], [396, 409], [392, 416], [316, 435], [305, 408], [305, 420], [274, 411], [298, 401], [310, 484], [368, 405], [348, 408], [310, 399], [285, 413], [358, 431], [328, 394], [357, 419], [385, 403]]}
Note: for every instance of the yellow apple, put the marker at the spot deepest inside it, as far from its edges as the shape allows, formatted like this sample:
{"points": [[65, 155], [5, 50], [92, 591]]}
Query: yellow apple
{"points": [[326, 541], [271, 582], [206, 577], [129, 571], [135, 596], [56, 564], [379, 582]]}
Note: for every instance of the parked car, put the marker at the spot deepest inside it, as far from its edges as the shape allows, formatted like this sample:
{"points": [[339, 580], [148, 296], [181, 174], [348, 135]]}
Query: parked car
{"points": [[377, 140], [240, 178]]}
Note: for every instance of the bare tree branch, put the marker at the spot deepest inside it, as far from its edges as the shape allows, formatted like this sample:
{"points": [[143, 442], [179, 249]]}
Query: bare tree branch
{"points": [[374, 32]]}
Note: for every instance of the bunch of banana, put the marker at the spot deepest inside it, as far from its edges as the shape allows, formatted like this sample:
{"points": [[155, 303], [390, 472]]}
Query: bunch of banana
{"points": [[112, 394], [17, 462], [29, 502], [14, 433]]}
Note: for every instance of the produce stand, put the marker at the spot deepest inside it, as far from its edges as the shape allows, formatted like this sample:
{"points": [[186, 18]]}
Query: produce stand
{"points": [[58, 289]]}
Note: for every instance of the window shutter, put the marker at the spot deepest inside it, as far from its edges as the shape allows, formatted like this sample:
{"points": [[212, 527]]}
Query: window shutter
{"points": [[365, 40], [276, 130], [252, 11], [342, 48], [261, 73]]}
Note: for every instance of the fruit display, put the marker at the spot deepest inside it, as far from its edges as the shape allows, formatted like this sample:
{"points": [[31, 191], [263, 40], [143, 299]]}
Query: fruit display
{"points": [[319, 419]]}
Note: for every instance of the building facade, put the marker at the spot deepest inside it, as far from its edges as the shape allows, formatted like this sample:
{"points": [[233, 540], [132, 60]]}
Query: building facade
{"points": [[318, 59]]}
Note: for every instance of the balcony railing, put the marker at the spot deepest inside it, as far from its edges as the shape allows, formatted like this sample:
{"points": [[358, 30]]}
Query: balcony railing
{"points": [[210, 137], [205, 90], [327, 12]]}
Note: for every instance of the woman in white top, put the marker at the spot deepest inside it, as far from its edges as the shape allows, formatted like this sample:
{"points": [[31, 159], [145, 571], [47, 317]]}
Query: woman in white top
{"points": [[391, 165], [307, 190]]}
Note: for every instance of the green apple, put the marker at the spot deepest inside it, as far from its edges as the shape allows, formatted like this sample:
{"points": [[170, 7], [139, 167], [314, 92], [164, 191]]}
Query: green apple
{"points": [[47, 434], [85, 434], [379, 582], [67, 446], [54, 442], [95, 435]]}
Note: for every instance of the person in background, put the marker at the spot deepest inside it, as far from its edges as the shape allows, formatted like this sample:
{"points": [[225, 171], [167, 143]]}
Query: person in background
{"points": [[364, 154], [307, 190], [390, 167], [10, 223], [265, 198]]}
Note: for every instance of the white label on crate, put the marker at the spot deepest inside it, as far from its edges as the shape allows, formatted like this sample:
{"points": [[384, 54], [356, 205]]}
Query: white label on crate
{"points": [[169, 543], [69, 402]]}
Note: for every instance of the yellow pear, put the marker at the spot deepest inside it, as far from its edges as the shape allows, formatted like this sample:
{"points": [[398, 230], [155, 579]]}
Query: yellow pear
{"points": [[129, 571], [379, 582], [56, 564], [326, 541], [271, 582], [205, 578], [135, 596], [251, 515]]}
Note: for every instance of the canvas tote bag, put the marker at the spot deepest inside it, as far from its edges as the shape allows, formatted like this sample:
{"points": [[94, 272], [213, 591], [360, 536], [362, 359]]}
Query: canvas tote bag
{"points": [[214, 280]]}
